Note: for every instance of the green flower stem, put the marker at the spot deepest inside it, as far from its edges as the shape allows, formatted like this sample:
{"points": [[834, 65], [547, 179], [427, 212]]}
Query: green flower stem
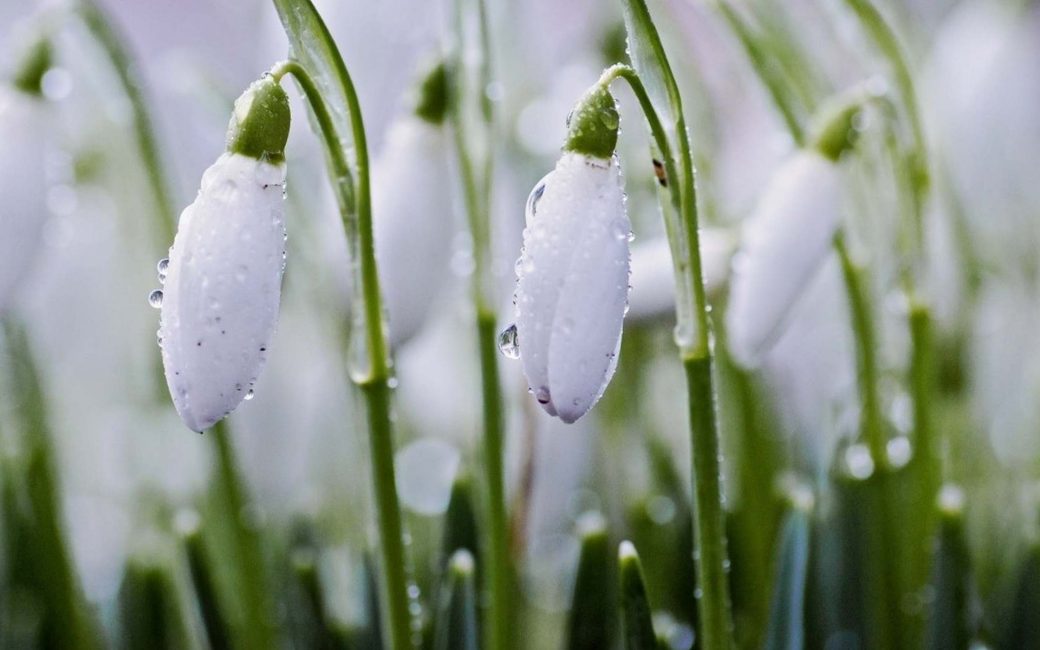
{"points": [[872, 422], [698, 360], [356, 214], [885, 589], [250, 566], [916, 170], [112, 43], [922, 380], [391, 530], [768, 74], [476, 192], [497, 554]]}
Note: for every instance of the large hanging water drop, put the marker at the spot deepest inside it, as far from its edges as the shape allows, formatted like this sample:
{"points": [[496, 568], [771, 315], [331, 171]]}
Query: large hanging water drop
{"points": [[155, 298], [509, 342]]}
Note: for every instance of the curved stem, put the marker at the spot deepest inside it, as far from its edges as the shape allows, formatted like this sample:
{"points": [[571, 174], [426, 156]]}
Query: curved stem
{"points": [[885, 38], [101, 28], [770, 79], [356, 214], [713, 601]]}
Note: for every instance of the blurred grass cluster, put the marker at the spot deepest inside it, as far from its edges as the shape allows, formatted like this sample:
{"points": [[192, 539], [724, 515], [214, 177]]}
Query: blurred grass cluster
{"points": [[899, 515]]}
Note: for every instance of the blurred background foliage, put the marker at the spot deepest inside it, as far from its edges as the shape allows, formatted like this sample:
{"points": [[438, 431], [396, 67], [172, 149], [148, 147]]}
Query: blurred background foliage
{"points": [[121, 528]]}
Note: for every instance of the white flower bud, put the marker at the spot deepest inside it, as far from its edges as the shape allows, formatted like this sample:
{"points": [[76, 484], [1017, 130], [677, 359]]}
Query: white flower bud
{"points": [[572, 288], [411, 208], [785, 242], [22, 186], [223, 286]]}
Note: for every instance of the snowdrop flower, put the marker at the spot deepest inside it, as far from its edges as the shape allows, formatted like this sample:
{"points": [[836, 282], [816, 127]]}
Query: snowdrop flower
{"points": [[572, 287], [412, 211], [23, 130], [786, 240], [223, 279], [653, 275]]}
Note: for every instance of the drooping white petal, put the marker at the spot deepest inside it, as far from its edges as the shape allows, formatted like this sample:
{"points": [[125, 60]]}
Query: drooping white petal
{"points": [[785, 242], [572, 284], [223, 287], [653, 279], [411, 206], [23, 207]]}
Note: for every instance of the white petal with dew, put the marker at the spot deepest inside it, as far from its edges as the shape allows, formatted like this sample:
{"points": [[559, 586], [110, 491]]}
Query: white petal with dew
{"points": [[572, 284], [223, 288], [411, 211], [785, 242], [22, 187]]}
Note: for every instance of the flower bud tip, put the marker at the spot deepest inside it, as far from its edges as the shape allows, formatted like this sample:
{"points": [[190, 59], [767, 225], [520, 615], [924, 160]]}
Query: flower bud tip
{"points": [[593, 124], [259, 126], [434, 94], [33, 65]]}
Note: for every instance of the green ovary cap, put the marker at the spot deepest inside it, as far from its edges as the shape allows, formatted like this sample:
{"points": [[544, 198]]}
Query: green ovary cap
{"points": [[835, 130], [259, 124], [434, 94], [34, 64], [593, 127]]}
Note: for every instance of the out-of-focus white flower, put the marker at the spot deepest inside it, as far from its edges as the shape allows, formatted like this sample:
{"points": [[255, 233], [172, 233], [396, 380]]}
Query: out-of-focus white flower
{"points": [[653, 278], [23, 187], [811, 370], [223, 282], [411, 211], [785, 242], [572, 288], [1006, 369], [981, 89]]}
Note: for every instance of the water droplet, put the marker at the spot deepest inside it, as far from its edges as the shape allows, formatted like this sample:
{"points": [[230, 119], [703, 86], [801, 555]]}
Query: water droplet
{"points": [[858, 462], [542, 395], [535, 197], [509, 342], [163, 266], [155, 298], [899, 451], [609, 118], [621, 230], [249, 394], [158, 337], [660, 509]]}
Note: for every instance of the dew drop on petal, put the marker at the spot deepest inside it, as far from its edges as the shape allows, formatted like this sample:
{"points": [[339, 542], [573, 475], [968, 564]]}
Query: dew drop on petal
{"points": [[535, 197], [249, 394], [509, 342], [163, 266], [155, 298], [542, 395]]}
